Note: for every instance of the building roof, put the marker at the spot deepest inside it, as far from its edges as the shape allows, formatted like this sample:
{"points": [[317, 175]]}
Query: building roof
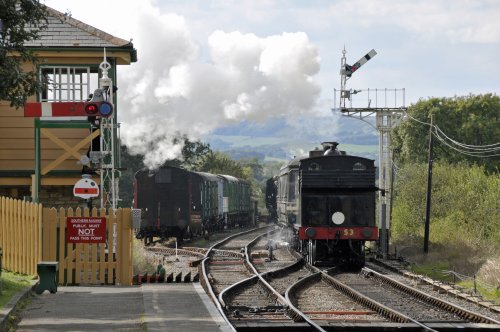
{"points": [[64, 31]]}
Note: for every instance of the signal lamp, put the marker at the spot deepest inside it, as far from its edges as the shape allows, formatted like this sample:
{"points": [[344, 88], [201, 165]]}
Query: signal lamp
{"points": [[91, 108], [105, 109]]}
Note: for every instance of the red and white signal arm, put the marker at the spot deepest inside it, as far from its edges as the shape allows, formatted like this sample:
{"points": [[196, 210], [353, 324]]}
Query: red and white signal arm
{"points": [[86, 188]]}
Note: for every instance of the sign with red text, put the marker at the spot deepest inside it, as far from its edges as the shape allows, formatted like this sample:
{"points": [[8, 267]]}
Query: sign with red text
{"points": [[85, 230]]}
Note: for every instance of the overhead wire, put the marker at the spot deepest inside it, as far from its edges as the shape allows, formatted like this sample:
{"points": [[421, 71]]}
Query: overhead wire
{"points": [[478, 151]]}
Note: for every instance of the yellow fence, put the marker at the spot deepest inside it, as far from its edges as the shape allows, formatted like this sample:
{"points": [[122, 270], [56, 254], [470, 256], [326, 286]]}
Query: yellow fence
{"points": [[20, 235], [84, 263], [30, 233]]}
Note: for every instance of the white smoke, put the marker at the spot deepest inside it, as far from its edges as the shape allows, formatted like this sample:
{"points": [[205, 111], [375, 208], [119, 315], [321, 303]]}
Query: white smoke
{"points": [[179, 87]]}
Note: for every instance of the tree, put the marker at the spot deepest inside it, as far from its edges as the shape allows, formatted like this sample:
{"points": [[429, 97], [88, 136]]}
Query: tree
{"points": [[471, 120], [221, 163], [20, 21], [130, 164], [193, 152], [465, 208]]}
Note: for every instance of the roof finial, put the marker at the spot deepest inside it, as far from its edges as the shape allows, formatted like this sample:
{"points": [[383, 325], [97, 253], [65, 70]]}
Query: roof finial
{"points": [[104, 81], [105, 66]]}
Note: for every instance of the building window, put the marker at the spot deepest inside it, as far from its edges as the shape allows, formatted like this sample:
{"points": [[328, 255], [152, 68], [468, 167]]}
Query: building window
{"points": [[65, 83]]}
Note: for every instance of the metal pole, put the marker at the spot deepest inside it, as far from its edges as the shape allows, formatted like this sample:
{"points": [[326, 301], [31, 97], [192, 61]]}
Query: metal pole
{"points": [[381, 184], [429, 188]]}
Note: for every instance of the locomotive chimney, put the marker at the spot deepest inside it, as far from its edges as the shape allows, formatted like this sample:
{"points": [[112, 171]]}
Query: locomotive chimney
{"points": [[330, 149]]}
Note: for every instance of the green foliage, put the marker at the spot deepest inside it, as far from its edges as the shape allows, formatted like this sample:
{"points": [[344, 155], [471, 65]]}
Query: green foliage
{"points": [[220, 163], [488, 293], [20, 21], [130, 164], [433, 270], [192, 153], [471, 120], [464, 208], [10, 284]]}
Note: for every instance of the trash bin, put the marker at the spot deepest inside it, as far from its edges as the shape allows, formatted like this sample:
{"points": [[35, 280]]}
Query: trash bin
{"points": [[47, 272]]}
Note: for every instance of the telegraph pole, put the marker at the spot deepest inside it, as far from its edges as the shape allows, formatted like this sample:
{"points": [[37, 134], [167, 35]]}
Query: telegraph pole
{"points": [[429, 189]]}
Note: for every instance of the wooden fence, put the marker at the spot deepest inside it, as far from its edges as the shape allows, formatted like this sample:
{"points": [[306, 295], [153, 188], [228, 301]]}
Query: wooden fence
{"points": [[30, 233], [20, 235], [85, 263]]}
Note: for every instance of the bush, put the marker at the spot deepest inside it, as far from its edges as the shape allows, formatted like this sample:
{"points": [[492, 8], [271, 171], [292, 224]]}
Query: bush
{"points": [[142, 261], [464, 207]]}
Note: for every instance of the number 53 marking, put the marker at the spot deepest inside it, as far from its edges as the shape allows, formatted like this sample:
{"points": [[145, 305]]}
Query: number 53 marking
{"points": [[348, 232]]}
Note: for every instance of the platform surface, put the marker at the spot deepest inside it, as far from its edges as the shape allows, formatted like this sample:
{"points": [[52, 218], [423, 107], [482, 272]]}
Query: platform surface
{"points": [[150, 307]]}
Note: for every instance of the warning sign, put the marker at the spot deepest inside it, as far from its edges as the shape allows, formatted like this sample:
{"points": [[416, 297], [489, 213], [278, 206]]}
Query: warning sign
{"points": [[85, 230], [86, 188]]}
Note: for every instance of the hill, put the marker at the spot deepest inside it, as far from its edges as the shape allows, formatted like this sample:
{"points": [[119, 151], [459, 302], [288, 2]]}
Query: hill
{"points": [[281, 140]]}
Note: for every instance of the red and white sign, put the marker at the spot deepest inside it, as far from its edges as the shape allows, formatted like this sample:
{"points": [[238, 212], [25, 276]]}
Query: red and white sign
{"points": [[85, 230], [55, 109], [86, 188]]}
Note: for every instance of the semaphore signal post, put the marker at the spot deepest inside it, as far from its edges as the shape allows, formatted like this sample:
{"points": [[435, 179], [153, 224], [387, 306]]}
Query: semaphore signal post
{"points": [[383, 109]]}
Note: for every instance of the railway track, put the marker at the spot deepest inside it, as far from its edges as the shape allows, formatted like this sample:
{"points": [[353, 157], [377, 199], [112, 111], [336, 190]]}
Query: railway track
{"points": [[250, 302], [316, 297], [255, 292], [445, 292], [406, 304]]}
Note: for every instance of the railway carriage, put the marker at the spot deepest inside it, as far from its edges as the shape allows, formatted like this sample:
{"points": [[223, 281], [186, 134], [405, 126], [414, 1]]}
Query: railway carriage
{"points": [[164, 197], [237, 203], [207, 193], [179, 203], [328, 198]]}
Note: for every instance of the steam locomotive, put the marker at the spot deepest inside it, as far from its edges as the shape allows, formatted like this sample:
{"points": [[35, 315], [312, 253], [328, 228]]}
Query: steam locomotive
{"points": [[178, 203], [328, 199]]}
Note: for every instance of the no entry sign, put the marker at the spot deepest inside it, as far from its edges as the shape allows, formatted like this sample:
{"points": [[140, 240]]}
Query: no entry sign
{"points": [[86, 188], [85, 230]]}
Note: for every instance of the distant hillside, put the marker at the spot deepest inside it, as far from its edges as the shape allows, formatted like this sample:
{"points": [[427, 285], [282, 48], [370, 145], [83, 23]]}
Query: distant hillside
{"points": [[279, 140]]}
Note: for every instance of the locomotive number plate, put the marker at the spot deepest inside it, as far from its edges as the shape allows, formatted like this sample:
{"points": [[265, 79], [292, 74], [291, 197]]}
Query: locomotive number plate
{"points": [[348, 232]]}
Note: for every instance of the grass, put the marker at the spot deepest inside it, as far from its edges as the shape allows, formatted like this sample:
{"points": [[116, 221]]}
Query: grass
{"points": [[487, 293], [436, 271], [441, 261], [10, 284]]}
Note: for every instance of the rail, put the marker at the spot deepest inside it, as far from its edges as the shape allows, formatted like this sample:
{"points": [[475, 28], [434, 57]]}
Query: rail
{"points": [[445, 305], [204, 277]]}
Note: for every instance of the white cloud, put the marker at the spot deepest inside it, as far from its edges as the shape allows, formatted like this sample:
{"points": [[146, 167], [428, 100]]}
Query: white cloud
{"points": [[172, 89], [211, 63]]}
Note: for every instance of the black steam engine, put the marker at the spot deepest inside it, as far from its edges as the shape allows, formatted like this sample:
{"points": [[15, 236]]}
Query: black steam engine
{"points": [[328, 199]]}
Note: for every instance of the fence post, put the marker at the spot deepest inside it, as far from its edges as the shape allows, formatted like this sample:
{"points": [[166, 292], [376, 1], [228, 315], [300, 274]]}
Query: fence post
{"points": [[126, 247], [49, 231]]}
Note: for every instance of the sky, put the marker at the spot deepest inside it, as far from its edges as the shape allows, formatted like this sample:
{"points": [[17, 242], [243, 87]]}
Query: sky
{"points": [[207, 64]]}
